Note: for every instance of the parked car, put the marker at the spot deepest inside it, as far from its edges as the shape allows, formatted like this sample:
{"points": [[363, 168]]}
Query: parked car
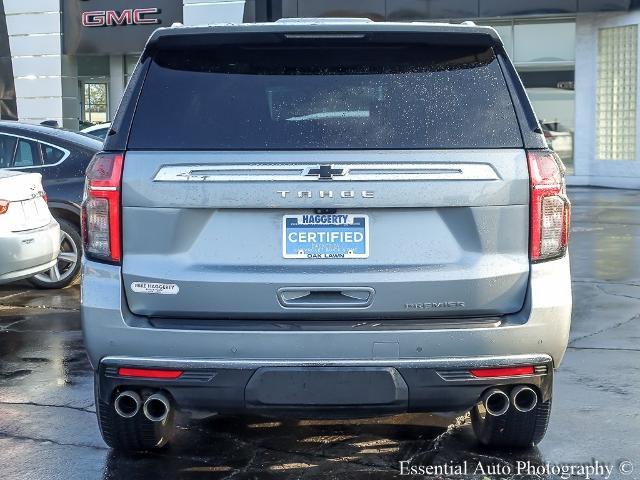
{"points": [[29, 235], [99, 131], [353, 218], [61, 157]]}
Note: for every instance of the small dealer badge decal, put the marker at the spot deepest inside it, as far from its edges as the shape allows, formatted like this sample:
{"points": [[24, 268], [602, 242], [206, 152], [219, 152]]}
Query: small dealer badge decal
{"points": [[156, 288]]}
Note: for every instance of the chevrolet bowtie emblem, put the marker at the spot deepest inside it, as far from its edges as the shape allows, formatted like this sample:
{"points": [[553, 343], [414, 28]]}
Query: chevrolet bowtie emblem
{"points": [[325, 172]]}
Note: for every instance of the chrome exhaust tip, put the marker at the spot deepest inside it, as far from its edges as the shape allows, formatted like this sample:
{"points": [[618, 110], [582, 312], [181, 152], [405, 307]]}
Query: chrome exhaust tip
{"points": [[156, 407], [127, 404], [524, 398], [495, 402]]}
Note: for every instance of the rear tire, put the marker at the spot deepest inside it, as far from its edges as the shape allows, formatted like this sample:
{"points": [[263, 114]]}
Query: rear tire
{"points": [[67, 270], [513, 429], [132, 434]]}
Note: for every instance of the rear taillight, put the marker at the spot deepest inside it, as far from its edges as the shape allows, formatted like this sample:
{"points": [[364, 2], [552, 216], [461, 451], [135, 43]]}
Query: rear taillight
{"points": [[550, 207], [4, 206], [101, 207]]}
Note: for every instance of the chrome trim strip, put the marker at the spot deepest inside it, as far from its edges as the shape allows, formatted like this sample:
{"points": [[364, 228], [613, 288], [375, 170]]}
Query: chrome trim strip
{"points": [[442, 362], [358, 172], [57, 147], [287, 297]]}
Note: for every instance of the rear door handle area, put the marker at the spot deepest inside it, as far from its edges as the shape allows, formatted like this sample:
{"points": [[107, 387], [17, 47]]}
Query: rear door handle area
{"points": [[325, 297]]}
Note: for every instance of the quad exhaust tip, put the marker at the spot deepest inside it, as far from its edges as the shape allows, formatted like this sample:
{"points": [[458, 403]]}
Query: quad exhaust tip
{"points": [[524, 398], [127, 404], [156, 407], [495, 402]]}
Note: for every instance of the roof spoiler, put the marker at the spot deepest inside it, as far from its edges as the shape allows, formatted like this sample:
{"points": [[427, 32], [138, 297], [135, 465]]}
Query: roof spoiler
{"points": [[291, 30]]}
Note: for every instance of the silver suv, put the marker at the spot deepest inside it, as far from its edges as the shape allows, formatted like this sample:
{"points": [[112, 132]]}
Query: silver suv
{"points": [[325, 218]]}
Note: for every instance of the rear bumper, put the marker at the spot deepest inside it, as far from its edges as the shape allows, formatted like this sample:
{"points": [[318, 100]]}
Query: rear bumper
{"points": [[25, 254], [412, 357], [333, 388]]}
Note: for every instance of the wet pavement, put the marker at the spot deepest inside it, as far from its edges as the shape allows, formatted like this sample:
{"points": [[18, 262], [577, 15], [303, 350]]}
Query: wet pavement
{"points": [[48, 428]]}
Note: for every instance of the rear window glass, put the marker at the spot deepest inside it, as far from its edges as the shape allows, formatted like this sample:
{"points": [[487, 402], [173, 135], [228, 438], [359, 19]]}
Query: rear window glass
{"points": [[7, 150], [343, 97], [27, 154]]}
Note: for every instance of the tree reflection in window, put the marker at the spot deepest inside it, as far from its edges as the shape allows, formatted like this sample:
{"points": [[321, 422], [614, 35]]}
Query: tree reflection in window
{"points": [[95, 102]]}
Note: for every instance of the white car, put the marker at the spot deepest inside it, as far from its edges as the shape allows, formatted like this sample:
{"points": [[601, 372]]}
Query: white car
{"points": [[98, 131], [29, 235]]}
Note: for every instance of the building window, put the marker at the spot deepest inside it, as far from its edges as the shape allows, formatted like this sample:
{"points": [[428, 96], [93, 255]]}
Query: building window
{"points": [[550, 42], [543, 52], [130, 63], [539, 44], [616, 93], [95, 102]]}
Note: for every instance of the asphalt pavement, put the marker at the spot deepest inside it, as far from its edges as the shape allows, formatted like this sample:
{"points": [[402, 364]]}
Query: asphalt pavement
{"points": [[48, 428]]}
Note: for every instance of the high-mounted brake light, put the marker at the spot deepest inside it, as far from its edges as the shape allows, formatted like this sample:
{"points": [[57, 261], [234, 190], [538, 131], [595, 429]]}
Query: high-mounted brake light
{"points": [[101, 208], [550, 207], [149, 373], [502, 371]]}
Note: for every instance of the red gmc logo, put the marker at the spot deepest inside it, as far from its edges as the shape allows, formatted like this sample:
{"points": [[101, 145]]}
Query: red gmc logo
{"points": [[130, 16]]}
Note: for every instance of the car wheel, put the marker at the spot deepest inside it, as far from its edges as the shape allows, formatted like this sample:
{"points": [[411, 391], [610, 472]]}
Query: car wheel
{"points": [[67, 270], [513, 429]]}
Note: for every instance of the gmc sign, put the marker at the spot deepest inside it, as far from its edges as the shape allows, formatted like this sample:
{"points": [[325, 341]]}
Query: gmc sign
{"points": [[130, 16], [114, 27]]}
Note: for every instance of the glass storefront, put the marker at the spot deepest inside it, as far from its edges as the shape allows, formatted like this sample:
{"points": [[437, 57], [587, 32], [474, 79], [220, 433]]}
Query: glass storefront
{"points": [[550, 42], [543, 52], [93, 89], [555, 109], [130, 62], [94, 86], [96, 107]]}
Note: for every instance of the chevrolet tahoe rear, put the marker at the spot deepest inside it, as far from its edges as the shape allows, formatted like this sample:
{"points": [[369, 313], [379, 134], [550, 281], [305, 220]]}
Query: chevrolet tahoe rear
{"points": [[282, 207]]}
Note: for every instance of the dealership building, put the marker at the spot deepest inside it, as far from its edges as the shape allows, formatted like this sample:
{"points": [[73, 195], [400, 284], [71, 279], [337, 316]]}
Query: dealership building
{"points": [[70, 60]]}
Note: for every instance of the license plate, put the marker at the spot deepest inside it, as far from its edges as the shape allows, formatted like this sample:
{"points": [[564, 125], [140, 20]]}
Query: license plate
{"points": [[325, 236], [30, 210]]}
